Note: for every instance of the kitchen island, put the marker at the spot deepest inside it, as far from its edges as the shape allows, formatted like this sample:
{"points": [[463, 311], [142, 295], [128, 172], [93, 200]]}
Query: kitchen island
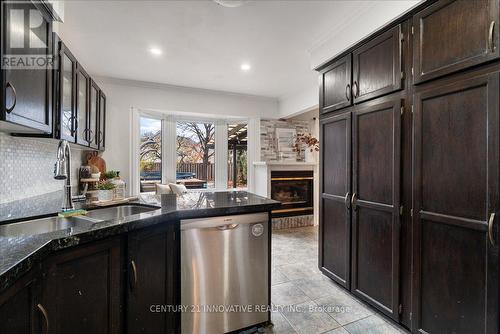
{"points": [[121, 266]]}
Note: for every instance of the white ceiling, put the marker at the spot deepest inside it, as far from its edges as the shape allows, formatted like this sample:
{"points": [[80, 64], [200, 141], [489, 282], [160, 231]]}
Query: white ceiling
{"points": [[204, 44]]}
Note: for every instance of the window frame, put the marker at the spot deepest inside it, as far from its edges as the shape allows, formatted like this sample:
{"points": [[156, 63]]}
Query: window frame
{"points": [[169, 153]]}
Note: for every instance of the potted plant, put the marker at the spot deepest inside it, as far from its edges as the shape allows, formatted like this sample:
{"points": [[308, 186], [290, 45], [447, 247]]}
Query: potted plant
{"points": [[105, 191], [311, 144]]}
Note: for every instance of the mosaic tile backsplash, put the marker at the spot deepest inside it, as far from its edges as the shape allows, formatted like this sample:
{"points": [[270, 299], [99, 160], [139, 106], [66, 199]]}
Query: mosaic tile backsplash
{"points": [[27, 167]]}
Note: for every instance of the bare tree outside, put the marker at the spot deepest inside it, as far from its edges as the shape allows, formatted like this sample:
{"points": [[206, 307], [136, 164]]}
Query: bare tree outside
{"points": [[196, 153], [150, 158]]}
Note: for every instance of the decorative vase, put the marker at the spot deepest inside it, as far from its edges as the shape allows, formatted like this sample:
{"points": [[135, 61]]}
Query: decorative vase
{"points": [[310, 156], [105, 195]]}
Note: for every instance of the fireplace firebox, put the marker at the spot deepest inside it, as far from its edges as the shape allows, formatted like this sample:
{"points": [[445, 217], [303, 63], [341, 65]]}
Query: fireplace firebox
{"points": [[294, 189]]}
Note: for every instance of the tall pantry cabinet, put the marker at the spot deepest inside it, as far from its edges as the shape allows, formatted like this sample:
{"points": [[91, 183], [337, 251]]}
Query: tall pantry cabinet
{"points": [[409, 168]]}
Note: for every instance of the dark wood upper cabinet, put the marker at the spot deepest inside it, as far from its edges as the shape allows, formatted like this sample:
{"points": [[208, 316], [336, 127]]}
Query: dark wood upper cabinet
{"points": [[151, 259], [376, 203], [27, 92], [94, 115], [377, 66], [335, 85], [82, 287], [102, 121], [20, 308], [66, 108], [82, 106], [456, 166], [335, 234], [454, 35]]}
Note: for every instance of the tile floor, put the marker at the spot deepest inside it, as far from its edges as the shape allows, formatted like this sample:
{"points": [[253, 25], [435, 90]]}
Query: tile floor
{"points": [[306, 301]]}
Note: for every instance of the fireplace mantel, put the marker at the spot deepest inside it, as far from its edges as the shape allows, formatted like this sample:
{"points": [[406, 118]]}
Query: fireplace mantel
{"points": [[285, 163], [263, 173]]}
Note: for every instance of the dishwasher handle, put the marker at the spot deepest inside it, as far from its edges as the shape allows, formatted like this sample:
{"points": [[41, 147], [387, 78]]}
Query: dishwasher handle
{"points": [[227, 227], [225, 222]]}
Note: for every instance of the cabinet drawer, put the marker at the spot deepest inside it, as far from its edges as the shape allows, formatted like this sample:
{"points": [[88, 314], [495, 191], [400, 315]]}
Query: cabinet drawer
{"points": [[377, 66], [454, 35], [335, 85]]}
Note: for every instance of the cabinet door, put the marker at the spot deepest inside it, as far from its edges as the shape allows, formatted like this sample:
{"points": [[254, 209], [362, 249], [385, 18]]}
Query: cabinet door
{"points": [[377, 66], [335, 214], [375, 204], [27, 85], [456, 281], [152, 266], [335, 85], [102, 121], [82, 107], [66, 104], [81, 289], [453, 35], [20, 311], [93, 115]]}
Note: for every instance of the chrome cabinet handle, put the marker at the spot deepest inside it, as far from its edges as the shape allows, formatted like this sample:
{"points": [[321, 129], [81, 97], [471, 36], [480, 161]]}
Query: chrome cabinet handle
{"points": [[134, 274], [347, 91], [74, 126], [346, 201], [91, 136], [355, 93], [9, 110], [86, 134], [45, 316], [490, 36], [354, 200], [490, 229]]}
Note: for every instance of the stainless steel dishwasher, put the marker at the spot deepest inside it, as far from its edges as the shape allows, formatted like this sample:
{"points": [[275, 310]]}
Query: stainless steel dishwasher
{"points": [[224, 273]]}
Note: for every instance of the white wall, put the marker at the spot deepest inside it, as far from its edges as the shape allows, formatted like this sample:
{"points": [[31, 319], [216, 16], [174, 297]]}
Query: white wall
{"points": [[375, 16], [371, 20], [299, 102], [123, 95]]}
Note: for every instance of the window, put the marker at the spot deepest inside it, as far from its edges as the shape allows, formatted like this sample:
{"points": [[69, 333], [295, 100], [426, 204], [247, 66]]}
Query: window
{"points": [[237, 139], [150, 164], [200, 152], [195, 149]]}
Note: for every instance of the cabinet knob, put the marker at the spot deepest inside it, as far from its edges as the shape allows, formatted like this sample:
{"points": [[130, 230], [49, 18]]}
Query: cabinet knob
{"points": [[14, 93], [347, 92]]}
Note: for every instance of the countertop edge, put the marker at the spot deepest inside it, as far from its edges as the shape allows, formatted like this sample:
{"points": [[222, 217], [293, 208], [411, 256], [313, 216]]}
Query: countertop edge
{"points": [[36, 257]]}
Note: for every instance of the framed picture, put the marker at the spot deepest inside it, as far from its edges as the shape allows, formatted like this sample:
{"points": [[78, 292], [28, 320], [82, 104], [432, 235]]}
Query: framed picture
{"points": [[285, 139]]}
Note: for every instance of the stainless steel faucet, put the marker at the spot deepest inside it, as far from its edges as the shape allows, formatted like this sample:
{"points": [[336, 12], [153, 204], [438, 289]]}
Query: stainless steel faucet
{"points": [[62, 171]]}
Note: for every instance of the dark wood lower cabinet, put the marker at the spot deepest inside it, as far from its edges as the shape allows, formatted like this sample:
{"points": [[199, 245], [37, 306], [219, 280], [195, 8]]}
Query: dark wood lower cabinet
{"points": [[151, 281], [19, 313], [81, 290], [456, 252], [375, 203]]}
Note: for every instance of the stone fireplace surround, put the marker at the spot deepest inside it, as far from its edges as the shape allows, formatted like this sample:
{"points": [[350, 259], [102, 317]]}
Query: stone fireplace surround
{"points": [[263, 188]]}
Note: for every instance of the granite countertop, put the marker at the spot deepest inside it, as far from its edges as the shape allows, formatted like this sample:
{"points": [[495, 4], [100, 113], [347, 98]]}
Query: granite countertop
{"points": [[21, 253]]}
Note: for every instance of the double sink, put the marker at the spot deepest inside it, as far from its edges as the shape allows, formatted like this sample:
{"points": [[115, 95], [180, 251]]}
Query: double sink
{"points": [[52, 224]]}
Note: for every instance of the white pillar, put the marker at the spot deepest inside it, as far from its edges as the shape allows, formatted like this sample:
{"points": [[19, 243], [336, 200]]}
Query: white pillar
{"points": [[221, 155]]}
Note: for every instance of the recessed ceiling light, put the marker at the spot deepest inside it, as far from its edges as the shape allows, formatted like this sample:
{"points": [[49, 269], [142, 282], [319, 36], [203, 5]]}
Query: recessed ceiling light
{"points": [[245, 67], [155, 51]]}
